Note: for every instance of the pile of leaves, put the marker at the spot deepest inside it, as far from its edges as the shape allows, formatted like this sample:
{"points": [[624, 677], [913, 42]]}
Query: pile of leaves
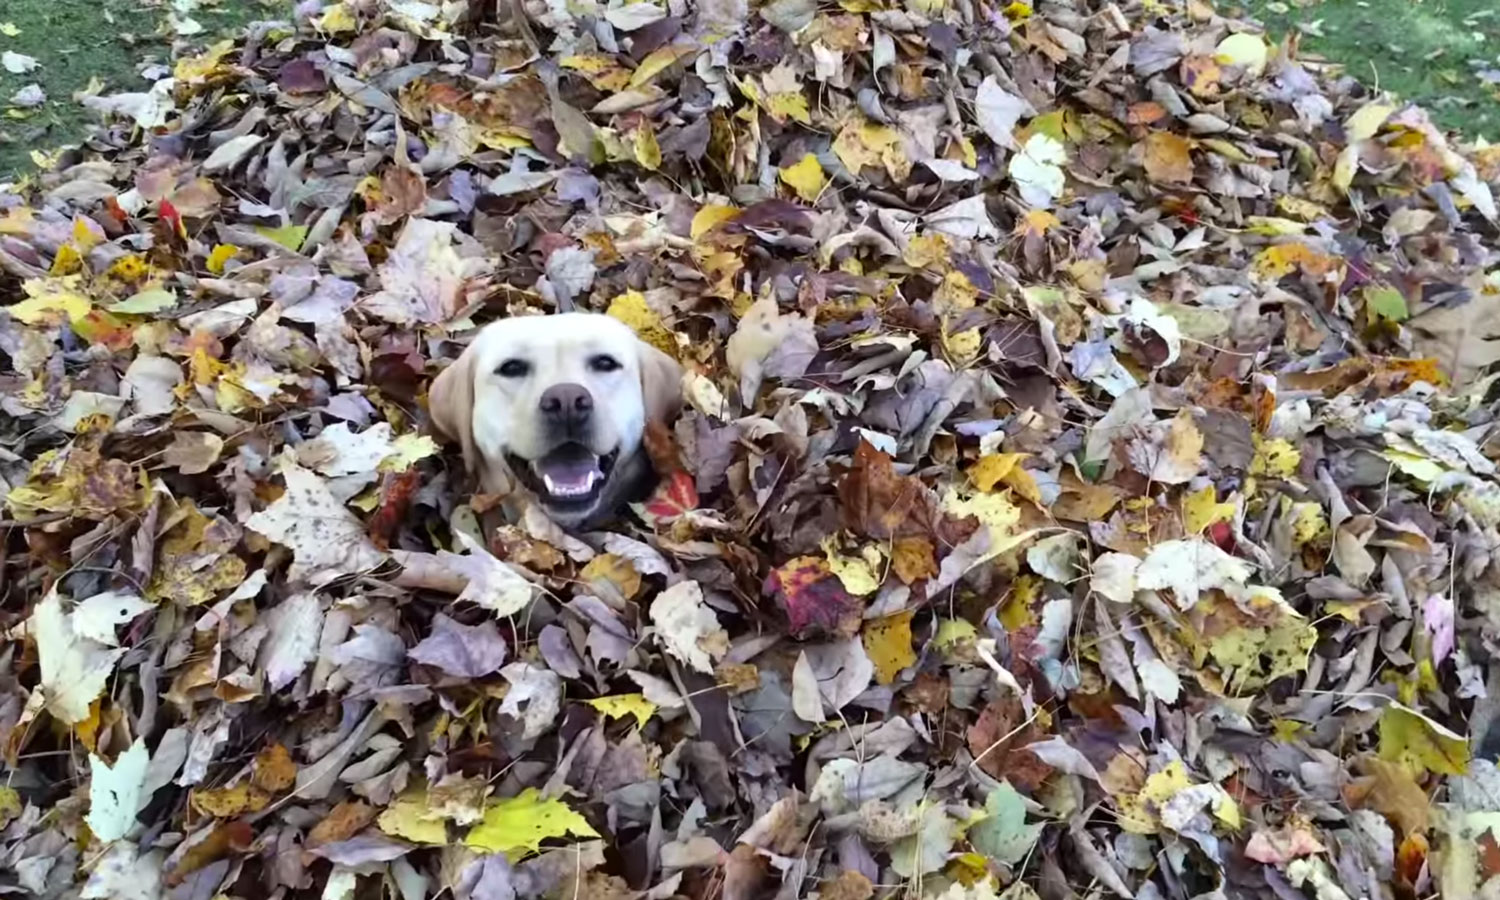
{"points": [[1086, 484]]}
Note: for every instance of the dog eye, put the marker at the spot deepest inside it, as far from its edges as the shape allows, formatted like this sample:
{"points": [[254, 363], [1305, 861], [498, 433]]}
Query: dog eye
{"points": [[514, 368], [604, 363]]}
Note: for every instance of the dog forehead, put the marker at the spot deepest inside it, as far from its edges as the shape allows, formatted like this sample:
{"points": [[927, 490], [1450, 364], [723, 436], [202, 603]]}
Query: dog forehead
{"points": [[563, 332]]}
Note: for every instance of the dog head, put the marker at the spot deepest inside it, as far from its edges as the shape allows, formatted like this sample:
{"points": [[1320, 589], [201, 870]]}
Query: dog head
{"points": [[557, 405]]}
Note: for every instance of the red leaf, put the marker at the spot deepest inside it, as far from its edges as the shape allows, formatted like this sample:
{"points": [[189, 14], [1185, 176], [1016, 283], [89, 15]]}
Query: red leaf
{"points": [[172, 217], [674, 496], [396, 491], [814, 598]]}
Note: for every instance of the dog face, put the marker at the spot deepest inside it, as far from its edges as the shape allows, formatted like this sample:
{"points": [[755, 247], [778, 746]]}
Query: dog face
{"points": [[557, 405]]}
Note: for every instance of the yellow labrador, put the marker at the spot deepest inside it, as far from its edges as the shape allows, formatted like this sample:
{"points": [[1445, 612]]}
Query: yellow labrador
{"points": [[557, 405]]}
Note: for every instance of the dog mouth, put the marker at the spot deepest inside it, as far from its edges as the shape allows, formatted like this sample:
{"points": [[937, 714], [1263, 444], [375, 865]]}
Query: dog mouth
{"points": [[568, 475]]}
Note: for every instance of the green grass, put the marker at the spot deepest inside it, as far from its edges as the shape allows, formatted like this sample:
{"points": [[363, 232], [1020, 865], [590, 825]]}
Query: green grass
{"points": [[76, 40], [1429, 51], [1432, 51]]}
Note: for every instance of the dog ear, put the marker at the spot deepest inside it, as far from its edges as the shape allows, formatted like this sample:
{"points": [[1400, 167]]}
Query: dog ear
{"points": [[661, 383], [450, 402]]}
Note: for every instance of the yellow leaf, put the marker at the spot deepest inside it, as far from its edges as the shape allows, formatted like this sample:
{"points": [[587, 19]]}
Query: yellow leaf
{"points": [[1273, 226], [1164, 785], [931, 250], [51, 308], [913, 558], [1036, 223], [193, 68], [622, 705], [997, 513], [632, 309], [962, 347], [1276, 457], [1345, 166], [411, 817], [1414, 466], [1367, 120], [785, 105], [805, 177], [858, 576], [888, 644], [9, 29], [644, 147], [1228, 812], [222, 253], [288, 236], [86, 235], [10, 800], [710, 216], [602, 71], [145, 302], [517, 826], [1308, 522], [338, 20], [228, 802], [1248, 51], [616, 570], [407, 449], [1283, 259], [1016, 610], [657, 62], [67, 261], [1306, 210], [953, 634], [1421, 745], [864, 143], [129, 267], [992, 469], [1005, 468], [273, 769], [1201, 509]]}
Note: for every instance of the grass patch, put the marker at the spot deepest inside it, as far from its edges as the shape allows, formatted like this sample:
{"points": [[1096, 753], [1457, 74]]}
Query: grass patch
{"points": [[77, 40], [1443, 54]]}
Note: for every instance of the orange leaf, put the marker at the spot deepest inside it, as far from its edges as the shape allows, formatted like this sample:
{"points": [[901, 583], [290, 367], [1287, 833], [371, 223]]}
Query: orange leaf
{"points": [[1168, 157]]}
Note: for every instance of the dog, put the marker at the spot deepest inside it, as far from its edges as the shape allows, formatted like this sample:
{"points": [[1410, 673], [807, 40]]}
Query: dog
{"points": [[557, 406]]}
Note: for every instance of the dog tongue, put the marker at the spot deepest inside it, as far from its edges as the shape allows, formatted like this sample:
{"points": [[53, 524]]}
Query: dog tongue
{"points": [[569, 471]]}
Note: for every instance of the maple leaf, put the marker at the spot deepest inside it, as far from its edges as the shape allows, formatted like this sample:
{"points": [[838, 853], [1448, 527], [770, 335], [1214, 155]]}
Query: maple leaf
{"points": [[326, 540], [814, 598], [878, 503], [676, 496]]}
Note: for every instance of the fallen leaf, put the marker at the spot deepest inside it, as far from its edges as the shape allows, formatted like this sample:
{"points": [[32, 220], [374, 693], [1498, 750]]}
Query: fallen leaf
{"points": [[463, 651], [517, 826], [888, 644], [687, 627], [622, 705], [115, 792], [805, 177], [1168, 157], [326, 540]]}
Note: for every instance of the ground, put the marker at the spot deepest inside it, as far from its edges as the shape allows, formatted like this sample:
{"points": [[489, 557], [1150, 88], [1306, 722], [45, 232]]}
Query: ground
{"points": [[76, 40], [1444, 54]]}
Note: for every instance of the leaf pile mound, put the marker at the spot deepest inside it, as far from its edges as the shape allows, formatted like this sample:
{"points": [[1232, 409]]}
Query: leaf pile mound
{"points": [[1086, 485]]}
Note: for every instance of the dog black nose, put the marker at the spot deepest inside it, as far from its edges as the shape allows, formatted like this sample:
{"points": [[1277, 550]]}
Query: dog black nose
{"points": [[568, 405]]}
